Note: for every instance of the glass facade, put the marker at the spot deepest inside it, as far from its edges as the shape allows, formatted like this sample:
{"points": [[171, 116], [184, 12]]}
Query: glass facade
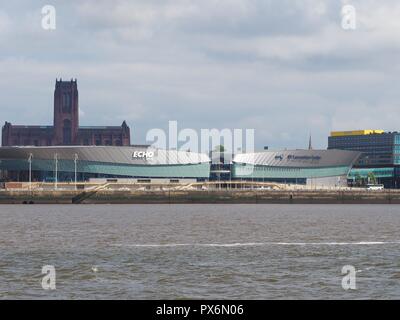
{"points": [[267, 172], [43, 170], [377, 149], [377, 172], [380, 156]]}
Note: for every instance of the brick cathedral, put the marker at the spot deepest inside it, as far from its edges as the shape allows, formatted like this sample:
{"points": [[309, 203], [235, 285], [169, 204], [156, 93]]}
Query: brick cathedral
{"points": [[65, 129]]}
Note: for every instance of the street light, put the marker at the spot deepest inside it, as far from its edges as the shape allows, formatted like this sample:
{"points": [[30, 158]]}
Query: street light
{"points": [[30, 170], [75, 162], [56, 171]]}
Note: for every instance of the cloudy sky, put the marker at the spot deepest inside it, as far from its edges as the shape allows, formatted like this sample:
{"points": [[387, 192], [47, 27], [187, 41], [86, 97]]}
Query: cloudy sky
{"points": [[283, 67]]}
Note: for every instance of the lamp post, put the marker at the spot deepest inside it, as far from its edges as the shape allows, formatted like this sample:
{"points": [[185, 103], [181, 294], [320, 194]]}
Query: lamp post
{"points": [[56, 171], [30, 170], [75, 163]]}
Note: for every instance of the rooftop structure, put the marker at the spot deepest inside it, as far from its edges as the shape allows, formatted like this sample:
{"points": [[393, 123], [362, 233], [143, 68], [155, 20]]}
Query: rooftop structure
{"points": [[355, 133]]}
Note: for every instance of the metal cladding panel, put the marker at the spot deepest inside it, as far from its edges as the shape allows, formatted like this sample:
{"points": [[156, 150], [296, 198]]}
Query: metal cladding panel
{"points": [[106, 154], [299, 158]]}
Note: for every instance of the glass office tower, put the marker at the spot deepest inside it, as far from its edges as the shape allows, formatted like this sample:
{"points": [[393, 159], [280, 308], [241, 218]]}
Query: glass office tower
{"points": [[380, 158]]}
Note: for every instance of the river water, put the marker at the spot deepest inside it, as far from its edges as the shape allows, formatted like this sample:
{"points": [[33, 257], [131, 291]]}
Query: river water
{"points": [[200, 251]]}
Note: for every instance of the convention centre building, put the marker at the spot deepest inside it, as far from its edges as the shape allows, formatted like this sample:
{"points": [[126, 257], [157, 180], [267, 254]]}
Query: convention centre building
{"points": [[310, 167]]}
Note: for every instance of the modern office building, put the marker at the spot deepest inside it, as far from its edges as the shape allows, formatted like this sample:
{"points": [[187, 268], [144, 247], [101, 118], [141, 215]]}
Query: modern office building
{"points": [[311, 167], [380, 159], [65, 129], [61, 163]]}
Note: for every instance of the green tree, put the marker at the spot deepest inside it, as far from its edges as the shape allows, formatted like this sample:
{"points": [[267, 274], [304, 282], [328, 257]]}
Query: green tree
{"points": [[371, 178], [358, 179]]}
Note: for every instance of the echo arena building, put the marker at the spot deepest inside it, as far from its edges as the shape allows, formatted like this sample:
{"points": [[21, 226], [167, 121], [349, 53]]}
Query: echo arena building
{"points": [[62, 163]]}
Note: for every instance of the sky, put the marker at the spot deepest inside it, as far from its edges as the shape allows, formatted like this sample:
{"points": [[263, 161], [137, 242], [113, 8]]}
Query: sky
{"points": [[285, 68]]}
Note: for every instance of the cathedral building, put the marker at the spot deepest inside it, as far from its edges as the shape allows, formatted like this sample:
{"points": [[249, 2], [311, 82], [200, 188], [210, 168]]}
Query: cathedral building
{"points": [[65, 129]]}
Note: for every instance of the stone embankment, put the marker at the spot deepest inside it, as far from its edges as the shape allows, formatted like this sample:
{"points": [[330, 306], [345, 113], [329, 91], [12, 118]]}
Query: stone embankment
{"points": [[201, 196]]}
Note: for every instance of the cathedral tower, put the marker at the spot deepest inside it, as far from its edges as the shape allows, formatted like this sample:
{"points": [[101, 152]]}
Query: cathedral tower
{"points": [[66, 112]]}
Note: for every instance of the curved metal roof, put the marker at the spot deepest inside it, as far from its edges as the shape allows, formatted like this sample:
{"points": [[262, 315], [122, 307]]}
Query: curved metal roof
{"points": [[299, 158], [107, 154]]}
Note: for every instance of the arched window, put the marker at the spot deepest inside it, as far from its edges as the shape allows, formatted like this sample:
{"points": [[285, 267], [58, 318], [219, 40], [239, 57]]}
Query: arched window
{"points": [[66, 102], [67, 132]]}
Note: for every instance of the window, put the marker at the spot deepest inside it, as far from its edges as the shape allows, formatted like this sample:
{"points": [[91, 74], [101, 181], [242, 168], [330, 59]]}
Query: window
{"points": [[143, 180], [67, 132], [66, 102]]}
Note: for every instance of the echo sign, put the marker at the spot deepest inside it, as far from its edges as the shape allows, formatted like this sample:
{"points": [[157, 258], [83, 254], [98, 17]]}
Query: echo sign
{"points": [[142, 154]]}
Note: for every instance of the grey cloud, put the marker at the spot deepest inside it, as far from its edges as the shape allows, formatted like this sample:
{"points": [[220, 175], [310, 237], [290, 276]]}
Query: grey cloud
{"points": [[284, 68]]}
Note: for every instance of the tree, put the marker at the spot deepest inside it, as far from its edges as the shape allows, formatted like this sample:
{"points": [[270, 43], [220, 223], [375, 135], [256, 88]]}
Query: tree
{"points": [[358, 179], [371, 178]]}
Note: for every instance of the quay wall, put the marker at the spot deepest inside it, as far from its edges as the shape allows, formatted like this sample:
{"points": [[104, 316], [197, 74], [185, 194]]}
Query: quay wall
{"points": [[201, 196]]}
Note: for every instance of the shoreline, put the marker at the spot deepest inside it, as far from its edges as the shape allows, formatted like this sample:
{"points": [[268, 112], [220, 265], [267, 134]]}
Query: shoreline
{"points": [[201, 197]]}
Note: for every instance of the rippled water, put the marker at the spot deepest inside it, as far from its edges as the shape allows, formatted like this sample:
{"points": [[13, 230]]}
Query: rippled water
{"points": [[200, 251]]}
